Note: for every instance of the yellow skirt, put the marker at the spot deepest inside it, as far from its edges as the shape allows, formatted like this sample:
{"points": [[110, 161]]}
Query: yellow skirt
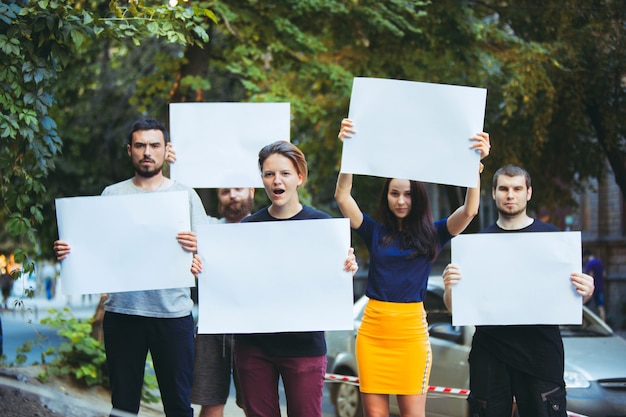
{"points": [[393, 350]]}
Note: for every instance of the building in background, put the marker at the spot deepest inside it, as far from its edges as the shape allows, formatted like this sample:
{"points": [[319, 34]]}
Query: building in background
{"points": [[601, 217]]}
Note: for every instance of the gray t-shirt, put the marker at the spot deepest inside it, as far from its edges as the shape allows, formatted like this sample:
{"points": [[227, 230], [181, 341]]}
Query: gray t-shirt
{"points": [[169, 303]]}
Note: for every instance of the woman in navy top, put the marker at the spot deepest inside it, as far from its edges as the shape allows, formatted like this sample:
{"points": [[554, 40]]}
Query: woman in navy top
{"points": [[392, 347]]}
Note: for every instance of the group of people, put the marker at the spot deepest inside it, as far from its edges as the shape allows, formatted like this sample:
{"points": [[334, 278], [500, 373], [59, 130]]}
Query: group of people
{"points": [[393, 349]]}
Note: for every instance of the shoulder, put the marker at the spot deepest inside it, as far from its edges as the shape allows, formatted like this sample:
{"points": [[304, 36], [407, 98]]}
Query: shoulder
{"points": [[312, 213], [259, 216], [177, 186], [122, 187], [539, 226], [493, 228]]}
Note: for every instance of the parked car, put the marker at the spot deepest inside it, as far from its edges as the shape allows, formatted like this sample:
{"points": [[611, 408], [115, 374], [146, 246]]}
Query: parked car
{"points": [[595, 363]]}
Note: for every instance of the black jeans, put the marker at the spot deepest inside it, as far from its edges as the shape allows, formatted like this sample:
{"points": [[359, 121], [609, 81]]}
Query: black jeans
{"points": [[128, 339], [493, 385]]}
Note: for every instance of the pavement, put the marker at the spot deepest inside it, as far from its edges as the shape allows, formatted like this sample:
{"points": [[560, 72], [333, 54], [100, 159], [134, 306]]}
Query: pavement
{"points": [[94, 402]]}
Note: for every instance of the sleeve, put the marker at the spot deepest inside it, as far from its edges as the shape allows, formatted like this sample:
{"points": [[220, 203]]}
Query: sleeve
{"points": [[196, 209], [366, 230], [442, 232]]}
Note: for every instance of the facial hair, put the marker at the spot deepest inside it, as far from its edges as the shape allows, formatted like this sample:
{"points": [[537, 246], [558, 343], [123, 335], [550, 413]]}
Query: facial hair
{"points": [[511, 214], [147, 173], [235, 214]]}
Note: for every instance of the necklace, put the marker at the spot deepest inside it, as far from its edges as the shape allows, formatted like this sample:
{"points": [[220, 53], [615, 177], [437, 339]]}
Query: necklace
{"points": [[152, 189]]}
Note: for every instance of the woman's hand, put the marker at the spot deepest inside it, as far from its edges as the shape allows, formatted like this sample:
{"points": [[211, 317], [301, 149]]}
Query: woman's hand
{"points": [[351, 263], [347, 129], [481, 144], [451, 276]]}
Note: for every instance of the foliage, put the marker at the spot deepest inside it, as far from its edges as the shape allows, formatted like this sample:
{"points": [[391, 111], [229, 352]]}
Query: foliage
{"points": [[80, 356], [563, 93], [555, 88], [39, 40]]}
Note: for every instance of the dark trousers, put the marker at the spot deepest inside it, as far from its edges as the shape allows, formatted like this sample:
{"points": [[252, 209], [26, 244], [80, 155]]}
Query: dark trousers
{"points": [[493, 384], [128, 339], [303, 379]]}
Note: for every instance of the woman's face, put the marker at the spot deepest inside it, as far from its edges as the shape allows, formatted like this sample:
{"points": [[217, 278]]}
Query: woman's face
{"points": [[399, 197], [281, 181]]}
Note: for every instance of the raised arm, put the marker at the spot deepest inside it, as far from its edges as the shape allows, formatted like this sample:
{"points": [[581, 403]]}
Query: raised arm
{"points": [[343, 196], [462, 216]]}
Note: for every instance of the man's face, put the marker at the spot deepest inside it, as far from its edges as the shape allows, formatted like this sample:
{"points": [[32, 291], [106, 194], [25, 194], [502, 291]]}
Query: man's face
{"points": [[147, 152], [511, 195], [235, 203]]}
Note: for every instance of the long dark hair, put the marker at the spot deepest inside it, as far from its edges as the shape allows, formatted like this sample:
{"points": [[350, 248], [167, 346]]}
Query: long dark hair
{"points": [[418, 229]]}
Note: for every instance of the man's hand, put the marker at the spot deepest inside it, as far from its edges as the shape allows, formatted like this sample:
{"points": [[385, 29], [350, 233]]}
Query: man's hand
{"points": [[188, 241], [584, 285], [196, 265], [62, 249]]}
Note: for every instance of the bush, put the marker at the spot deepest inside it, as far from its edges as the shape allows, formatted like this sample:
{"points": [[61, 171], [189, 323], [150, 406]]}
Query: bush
{"points": [[81, 357]]}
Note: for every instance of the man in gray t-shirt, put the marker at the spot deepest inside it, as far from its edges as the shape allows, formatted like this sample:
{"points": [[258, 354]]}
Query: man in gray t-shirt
{"points": [[155, 321]]}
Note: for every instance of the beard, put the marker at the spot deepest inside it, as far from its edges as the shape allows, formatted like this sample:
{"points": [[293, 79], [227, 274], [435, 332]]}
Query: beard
{"points": [[235, 211], [147, 172], [511, 213]]}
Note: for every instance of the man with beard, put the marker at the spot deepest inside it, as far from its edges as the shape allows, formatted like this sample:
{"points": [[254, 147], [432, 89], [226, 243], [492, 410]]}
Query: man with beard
{"points": [[522, 361], [155, 321], [214, 352]]}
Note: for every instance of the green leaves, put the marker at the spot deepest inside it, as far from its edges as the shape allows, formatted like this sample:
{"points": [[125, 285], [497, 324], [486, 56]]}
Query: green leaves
{"points": [[38, 40]]}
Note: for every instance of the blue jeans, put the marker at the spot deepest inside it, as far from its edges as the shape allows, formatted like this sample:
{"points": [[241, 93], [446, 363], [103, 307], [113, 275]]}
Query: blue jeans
{"points": [[127, 340], [493, 384]]}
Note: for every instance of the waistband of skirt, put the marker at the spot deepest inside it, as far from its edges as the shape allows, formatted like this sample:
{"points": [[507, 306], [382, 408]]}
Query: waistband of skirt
{"points": [[399, 307]]}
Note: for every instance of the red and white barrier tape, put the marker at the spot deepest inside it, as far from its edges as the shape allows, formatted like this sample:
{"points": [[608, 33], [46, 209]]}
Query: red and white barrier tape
{"points": [[353, 380]]}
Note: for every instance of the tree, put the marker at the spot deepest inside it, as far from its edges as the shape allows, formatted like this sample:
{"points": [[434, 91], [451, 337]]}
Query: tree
{"points": [[39, 40], [564, 107]]}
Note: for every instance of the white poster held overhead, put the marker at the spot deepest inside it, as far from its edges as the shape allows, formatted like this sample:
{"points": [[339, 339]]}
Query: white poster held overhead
{"points": [[516, 278], [217, 144], [124, 242], [414, 130], [264, 277]]}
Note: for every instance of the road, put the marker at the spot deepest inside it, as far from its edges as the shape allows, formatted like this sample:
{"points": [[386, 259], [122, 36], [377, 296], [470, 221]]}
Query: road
{"points": [[22, 326]]}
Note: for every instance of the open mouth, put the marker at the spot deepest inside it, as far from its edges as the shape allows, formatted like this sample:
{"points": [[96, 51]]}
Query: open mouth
{"points": [[278, 191]]}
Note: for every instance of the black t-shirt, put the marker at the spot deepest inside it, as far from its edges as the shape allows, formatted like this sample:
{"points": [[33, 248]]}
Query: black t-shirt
{"points": [[287, 344], [534, 349]]}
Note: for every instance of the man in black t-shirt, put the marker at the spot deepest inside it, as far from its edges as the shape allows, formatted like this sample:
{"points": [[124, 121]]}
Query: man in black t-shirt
{"points": [[522, 361]]}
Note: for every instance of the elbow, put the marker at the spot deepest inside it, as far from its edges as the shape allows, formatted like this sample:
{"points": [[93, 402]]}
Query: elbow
{"points": [[472, 213], [341, 194], [337, 195]]}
